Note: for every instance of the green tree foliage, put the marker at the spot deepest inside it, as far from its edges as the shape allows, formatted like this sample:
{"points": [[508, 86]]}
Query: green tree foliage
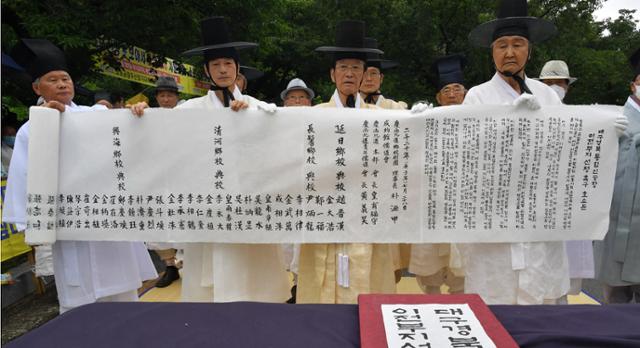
{"points": [[413, 32]]}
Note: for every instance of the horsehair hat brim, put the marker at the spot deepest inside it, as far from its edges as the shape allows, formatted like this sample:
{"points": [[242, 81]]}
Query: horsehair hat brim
{"points": [[239, 45], [349, 39], [250, 73], [336, 49], [10, 63], [375, 59], [539, 30], [38, 57], [215, 36], [383, 64]]}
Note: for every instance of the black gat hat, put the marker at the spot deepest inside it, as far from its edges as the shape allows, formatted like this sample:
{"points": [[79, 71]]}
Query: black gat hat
{"points": [[349, 42], [38, 57], [217, 42], [513, 19], [450, 69], [375, 59]]}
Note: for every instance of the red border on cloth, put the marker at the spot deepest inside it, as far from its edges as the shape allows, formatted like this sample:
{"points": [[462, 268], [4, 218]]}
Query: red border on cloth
{"points": [[372, 334]]}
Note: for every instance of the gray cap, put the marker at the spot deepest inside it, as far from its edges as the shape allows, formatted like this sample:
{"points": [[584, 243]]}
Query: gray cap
{"points": [[556, 69], [297, 84], [166, 83]]}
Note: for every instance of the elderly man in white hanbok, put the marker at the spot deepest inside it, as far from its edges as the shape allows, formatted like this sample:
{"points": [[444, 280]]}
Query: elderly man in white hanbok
{"points": [[85, 272], [514, 273], [229, 272]]}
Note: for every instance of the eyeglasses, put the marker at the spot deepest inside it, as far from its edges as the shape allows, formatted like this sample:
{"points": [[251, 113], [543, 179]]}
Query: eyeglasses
{"points": [[343, 68], [297, 97], [372, 74], [453, 89]]}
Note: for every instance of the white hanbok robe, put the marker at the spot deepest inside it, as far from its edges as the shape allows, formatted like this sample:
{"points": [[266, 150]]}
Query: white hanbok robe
{"points": [[385, 103], [514, 273], [216, 272], [84, 271], [371, 266]]}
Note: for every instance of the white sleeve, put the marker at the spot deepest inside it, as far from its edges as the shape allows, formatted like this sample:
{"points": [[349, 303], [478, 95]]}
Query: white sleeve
{"points": [[471, 98], [15, 202]]}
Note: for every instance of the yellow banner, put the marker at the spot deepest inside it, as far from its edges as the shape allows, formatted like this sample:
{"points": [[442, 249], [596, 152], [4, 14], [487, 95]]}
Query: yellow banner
{"points": [[12, 240], [135, 65]]}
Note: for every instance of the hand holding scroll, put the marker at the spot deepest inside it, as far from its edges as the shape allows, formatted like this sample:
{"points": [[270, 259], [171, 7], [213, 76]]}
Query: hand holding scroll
{"points": [[527, 100], [138, 108], [268, 107], [420, 107], [54, 105], [621, 124]]}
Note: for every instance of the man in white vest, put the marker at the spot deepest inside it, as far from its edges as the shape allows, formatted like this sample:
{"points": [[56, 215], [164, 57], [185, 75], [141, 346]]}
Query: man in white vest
{"points": [[85, 272]]}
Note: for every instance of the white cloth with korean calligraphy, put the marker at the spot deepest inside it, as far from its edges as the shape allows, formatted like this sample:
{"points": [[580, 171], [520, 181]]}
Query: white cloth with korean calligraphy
{"points": [[84, 271], [214, 272], [514, 273]]}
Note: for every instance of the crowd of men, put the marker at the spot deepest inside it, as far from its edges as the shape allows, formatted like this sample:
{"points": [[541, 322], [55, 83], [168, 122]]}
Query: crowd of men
{"points": [[502, 273]]}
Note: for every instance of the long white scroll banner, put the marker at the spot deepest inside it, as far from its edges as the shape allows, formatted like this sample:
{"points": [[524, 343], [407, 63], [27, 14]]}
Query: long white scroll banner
{"points": [[451, 174]]}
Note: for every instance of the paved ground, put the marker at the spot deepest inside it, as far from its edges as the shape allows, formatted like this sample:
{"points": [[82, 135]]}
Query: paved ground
{"points": [[34, 310], [29, 313], [593, 288]]}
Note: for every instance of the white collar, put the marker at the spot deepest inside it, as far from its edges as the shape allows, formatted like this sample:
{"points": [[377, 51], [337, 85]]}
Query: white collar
{"points": [[380, 99], [237, 95], [336, 99], [633, 103], [505, 86]]}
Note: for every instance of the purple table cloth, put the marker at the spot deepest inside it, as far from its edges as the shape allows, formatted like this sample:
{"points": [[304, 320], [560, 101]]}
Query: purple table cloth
{"points": [[246, 324]]}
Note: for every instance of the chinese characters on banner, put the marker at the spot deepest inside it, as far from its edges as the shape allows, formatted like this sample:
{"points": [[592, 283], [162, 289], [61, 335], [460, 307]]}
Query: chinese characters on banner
{"points": [[451, 174]]}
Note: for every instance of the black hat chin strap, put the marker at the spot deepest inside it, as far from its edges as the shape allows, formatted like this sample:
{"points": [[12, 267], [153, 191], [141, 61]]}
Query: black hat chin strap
{"points": [[517, 78], [351, 101], [370, 98], [226, 94]]}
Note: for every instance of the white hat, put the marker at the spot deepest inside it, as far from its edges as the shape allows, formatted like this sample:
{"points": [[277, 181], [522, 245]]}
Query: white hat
{"points": [[556, 69], [297, 84]]}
